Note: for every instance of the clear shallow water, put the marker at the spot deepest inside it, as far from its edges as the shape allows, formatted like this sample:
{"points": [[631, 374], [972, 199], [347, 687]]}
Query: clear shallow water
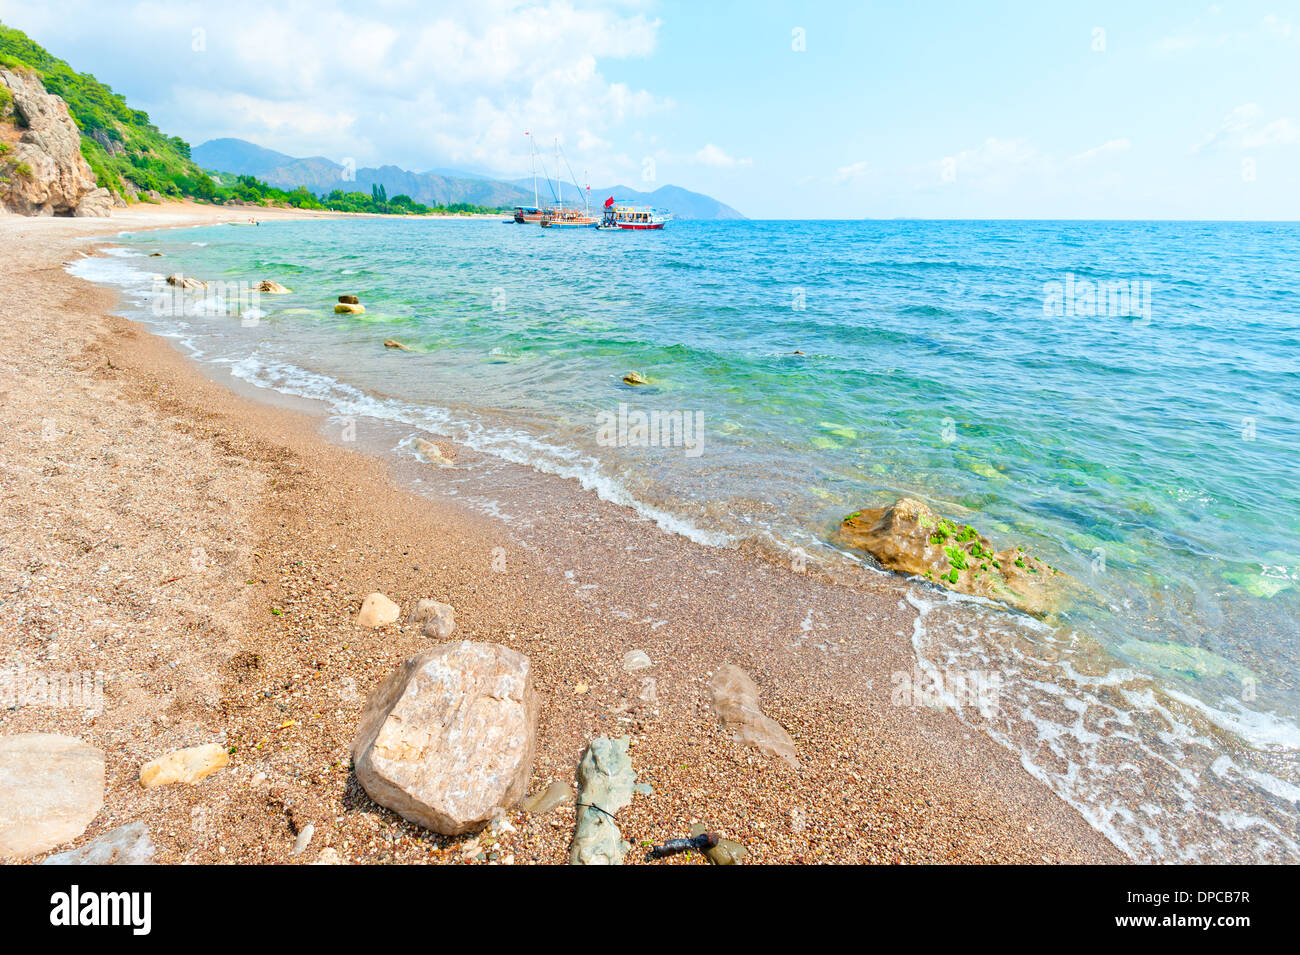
{"points": [[1151, 451]]}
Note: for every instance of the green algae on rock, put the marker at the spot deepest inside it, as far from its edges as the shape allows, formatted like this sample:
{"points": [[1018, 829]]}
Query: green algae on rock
{"points": [[910, 538]]}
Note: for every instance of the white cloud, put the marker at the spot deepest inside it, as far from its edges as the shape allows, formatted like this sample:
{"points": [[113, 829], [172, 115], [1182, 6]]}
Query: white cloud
{"points": [[718, 158], [1243, 128], [1278, 27], [266, 117], [1012, 166], [851, 172], [393, 81], [992, 159], [1108, 148]]}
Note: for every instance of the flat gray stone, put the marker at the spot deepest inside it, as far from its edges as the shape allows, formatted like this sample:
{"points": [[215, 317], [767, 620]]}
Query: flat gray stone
{"points": [[605, 778], [125, 845]]}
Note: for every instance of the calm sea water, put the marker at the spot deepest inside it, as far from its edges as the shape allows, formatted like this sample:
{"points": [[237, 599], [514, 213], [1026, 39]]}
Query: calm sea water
{"points": [[1145, 440]]}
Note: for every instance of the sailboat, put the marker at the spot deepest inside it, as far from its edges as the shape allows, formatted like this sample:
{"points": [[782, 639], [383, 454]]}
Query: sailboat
{"points": [[533, 213], [559, 217]]}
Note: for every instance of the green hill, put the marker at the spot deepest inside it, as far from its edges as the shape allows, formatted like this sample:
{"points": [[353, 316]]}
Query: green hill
{"points": [[119, 142], [131, 157]]}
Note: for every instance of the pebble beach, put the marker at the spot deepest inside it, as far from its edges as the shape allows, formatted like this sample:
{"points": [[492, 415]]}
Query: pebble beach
{"points": [[208, 555]]}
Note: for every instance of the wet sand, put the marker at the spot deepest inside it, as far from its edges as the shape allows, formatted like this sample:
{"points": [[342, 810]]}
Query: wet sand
{"points": [[208, 553]]}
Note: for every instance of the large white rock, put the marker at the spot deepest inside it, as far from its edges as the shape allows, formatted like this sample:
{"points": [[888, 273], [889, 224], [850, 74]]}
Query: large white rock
{"points": [[449, 737], [51, 788], [58, 178]]}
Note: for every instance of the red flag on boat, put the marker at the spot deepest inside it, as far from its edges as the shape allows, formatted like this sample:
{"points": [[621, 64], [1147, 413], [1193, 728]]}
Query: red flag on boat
{"points": [[609, 202]]}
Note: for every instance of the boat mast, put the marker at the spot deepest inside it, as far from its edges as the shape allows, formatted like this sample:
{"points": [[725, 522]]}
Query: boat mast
{"points": [[558, 194], [532, 152]]}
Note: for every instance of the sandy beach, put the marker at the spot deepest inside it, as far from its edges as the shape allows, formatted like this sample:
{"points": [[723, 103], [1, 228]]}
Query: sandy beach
{"points": [[208, 553]]}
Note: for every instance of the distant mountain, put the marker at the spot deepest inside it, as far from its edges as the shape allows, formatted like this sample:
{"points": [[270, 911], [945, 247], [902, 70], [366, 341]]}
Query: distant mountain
{"points": [[459, 173], [238, 156], [438, 187]]}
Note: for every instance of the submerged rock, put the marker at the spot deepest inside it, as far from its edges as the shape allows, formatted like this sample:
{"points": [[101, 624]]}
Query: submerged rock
{"points": [[184, 766], [125, 845], [1192, 662], [344, 309], [271, 288], [51, 788], [394, 343], [910, 538], [449, 737], [735, 701], [605, 785], [377, 611], [436, 619], [634, 378], [432, 452]]}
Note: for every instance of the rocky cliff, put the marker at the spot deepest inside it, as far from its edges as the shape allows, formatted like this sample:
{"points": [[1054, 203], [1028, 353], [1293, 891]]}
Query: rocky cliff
{"points": [[42, 171]]}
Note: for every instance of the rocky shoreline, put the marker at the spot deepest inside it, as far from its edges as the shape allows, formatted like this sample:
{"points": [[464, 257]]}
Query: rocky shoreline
{"points": [[209, 558]]}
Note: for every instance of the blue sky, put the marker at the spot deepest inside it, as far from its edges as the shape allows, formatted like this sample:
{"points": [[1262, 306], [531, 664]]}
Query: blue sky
{"points": [[1036, 110]]}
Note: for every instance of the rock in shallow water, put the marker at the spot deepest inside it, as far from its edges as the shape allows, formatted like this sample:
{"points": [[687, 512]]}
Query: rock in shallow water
{"points": [[449, 737], [185, 282], [51, 788], [735, 701], [125, 845], [433, 452], [909, 538], [605, 785]]}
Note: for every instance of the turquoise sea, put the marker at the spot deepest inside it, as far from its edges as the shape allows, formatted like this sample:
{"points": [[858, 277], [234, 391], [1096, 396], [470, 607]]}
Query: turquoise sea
{"points": [[1121, 398]]}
